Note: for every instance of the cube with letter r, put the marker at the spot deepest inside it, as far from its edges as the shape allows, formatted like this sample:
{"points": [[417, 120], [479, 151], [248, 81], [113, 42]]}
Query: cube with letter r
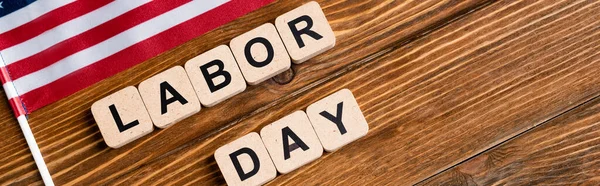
{"points": [[305, 32], [245, 161]]}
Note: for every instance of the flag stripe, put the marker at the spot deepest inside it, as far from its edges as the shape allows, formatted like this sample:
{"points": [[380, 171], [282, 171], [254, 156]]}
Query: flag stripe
{"points": [[10, 92], [29, 13], [92, 37], [69, 29], [113, 45], [139, 52], [17, 105], [48, 21], [7, 84], [4, 75]]}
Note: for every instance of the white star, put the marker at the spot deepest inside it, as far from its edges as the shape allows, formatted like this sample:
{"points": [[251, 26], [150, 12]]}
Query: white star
{"points": [[1, 4]]}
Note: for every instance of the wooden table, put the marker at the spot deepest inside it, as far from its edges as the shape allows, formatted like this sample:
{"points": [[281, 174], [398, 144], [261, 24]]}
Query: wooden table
{"points": [[456, 92]]}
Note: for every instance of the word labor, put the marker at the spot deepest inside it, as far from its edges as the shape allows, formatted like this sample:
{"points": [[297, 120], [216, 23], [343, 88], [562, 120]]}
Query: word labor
{"points": [[213, 76]]}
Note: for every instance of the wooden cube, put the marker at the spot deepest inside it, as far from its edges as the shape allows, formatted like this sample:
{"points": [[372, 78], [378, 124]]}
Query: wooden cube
{"points": [[169, 97], [245, 161], [122, 117], [291, 142], [305, 32], [260, 54], [215, 76], [337, 120]]}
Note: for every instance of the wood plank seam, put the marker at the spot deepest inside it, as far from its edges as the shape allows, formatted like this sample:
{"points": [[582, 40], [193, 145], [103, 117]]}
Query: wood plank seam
{"points": [[521, 133], [512, 137]]}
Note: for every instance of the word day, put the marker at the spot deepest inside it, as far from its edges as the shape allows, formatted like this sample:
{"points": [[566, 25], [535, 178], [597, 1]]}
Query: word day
{"points": [[292, 141], [213, 76]]}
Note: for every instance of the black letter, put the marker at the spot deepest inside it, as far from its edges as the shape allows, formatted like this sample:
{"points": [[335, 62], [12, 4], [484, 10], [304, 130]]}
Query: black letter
{"points": [[164, 86], [117, 118], [270, 52], [336, 119], [220, 72], [287, 148], [297, 33], [238, 166]]}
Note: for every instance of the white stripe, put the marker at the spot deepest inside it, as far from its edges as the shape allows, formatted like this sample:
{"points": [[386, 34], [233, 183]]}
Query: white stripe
{"points": [[29, 13], [9, 88], [69, 29], [2, 64], [113, 45]]}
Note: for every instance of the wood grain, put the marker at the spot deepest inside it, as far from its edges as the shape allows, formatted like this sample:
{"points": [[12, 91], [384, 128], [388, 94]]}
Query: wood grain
{"points": [[433, 102], [76, 154], [563, 151]]}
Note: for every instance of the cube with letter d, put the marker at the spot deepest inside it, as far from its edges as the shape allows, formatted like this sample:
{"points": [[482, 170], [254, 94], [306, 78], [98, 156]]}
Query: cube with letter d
{"points": [[245, 161]]}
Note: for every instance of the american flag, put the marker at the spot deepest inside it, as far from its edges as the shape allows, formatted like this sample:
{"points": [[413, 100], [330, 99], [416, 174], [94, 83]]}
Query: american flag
{"points": [[50, 49], [53, 48]]}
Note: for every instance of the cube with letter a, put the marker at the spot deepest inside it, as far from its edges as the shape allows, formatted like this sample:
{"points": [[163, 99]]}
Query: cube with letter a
{"points": [[245, 161], [169, 97], [305, 32], [291, 142]]}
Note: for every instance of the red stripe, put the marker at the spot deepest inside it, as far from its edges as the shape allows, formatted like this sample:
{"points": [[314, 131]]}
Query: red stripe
{"points": [[4, 76], [48, 21], [139, 52], [17, 106], [92, 37]]}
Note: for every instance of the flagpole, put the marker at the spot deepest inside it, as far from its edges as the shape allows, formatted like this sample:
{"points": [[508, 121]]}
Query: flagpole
{"points": [[35, 151], [20, 114]]}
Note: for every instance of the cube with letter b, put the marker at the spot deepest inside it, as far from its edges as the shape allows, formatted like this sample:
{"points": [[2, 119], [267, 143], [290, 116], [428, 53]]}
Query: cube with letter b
{"points": [[245, 161], [215, 76], [305, 32], [122, 117], [337, 120]]}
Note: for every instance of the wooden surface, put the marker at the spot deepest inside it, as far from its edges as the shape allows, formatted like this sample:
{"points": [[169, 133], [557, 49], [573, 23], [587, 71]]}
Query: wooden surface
{"points": [[562, 151], [455, 92]]}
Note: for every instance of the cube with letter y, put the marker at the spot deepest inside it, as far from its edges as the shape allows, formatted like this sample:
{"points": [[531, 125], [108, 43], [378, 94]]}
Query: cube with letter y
{"points": [[337, 120], [245, 161]]}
